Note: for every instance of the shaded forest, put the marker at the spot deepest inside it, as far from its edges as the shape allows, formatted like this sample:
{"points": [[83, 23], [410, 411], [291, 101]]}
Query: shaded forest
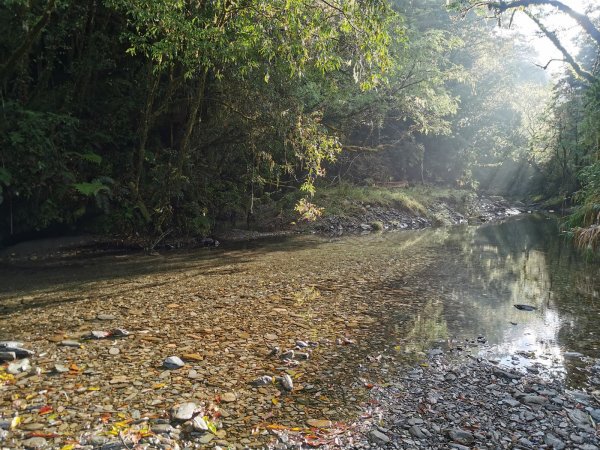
{"points": [[154, 117]]}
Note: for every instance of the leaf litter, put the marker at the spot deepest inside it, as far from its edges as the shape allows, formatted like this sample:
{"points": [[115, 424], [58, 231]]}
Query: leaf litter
{"points": [[223, 316]]}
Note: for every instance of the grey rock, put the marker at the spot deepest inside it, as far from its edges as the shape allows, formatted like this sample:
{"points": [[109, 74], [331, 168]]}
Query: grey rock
{"points": [[461, 436], [69, 343], [173, 362], [114, 351], [206, 438], [99, 334], [579, 417], [286, 382], [120, 332], [184, 412], [105, 316], [35, 442], [287, 355], [377, 437], [553, 441], [199, 424], [162, 428], [416, 432], [534, 399], [16, 348], [264, 380], [59, 368], [301, 344], [505, 374], [8, 356], [19, 366], [450, 376], [301, 356], [511, 402]]}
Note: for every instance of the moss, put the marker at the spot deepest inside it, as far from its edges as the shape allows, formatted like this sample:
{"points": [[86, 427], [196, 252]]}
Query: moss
{"points": [[377, 225]]}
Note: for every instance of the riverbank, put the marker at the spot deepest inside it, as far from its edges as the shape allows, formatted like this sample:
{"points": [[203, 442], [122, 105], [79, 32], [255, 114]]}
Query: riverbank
{"points": [[346, 209], [468, 402]]}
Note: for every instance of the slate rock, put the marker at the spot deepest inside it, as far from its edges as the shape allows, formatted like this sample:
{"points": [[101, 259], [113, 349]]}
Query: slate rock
{"points": [[461, 436], [525, 307], [553, 441], [377, 437], [8, 356]]}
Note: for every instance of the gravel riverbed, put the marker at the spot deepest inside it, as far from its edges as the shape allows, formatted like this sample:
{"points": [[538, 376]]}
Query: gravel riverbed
{"points": [[471, 403]]}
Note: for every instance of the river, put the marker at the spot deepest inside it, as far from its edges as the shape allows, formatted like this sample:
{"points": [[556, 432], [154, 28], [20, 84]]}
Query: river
{"points": [[370, 304]]}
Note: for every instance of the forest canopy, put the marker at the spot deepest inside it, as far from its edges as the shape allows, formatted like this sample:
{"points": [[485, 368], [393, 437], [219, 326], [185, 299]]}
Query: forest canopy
{"points": [[146, 117]]}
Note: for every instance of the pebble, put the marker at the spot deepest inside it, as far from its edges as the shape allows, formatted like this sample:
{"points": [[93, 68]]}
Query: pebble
{"points": [[105, 316], [99, 334], [185, 411], [461, 436], [59, 368], [114, 351], [173, 362], [553, 441], [69, 343], [199, 424], [378, 437], [228, 397], [35, 442], [8, 356], [287, 383], [17, 367], [534, 399], [264, 380]]}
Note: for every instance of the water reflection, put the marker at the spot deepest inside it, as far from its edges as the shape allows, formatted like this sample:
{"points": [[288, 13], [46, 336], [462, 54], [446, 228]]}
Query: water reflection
{"points": [[482, 272]]}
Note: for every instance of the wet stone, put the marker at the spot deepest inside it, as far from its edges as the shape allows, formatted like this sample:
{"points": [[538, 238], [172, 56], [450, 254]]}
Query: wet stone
{"points": [[534, 399], [35, 442], [461, 436], [8, 356], [69, 343], [378, 437], [554, 442]]}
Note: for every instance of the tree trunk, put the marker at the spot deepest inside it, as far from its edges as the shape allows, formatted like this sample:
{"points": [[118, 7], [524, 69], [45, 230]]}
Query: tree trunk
{"points": [[197, 100], [8, 68]]}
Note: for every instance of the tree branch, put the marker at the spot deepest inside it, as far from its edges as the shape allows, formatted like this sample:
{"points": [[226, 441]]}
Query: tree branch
{"points": [[568, 58], [583, 20]]}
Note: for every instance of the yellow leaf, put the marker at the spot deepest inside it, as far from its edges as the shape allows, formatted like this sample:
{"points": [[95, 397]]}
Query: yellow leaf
{"points": [[275, 401], [122, 415], [93, 388], [68, 447], [30, 396], [159, 385], [424, 365], [15, 422]]}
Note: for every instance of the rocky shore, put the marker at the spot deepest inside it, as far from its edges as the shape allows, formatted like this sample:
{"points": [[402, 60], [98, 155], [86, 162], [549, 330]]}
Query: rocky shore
{"points": [[469, 403]]}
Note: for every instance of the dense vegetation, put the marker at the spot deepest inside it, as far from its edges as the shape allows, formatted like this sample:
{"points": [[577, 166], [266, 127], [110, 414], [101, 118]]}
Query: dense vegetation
{"points": [[164, 116]]}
